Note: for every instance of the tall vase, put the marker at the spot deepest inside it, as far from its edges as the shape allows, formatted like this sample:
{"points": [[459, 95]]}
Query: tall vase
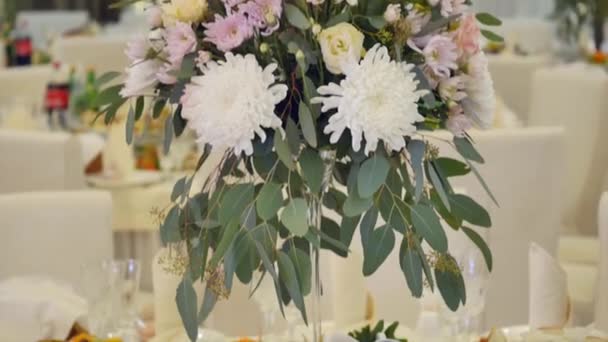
{"points": [[315, 216]]}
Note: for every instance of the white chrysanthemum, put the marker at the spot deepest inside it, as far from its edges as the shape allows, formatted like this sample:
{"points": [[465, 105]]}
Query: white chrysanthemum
{"points": [[377, 100], [232, 101], [480, 102]]}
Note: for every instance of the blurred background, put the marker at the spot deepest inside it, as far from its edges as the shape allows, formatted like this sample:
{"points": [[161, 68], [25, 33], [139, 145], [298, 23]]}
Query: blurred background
{"points": [[97, 198]]}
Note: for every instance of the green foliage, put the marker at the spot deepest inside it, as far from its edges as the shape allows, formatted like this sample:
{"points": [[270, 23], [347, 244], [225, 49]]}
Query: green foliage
{"points": [[370, 334]]}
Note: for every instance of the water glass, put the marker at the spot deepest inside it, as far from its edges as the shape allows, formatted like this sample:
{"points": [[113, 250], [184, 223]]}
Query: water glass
{"points": [[468, 321], [111, 289]]}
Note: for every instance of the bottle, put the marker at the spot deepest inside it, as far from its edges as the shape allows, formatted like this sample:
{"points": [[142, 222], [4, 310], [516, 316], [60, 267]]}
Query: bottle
{"points": [[22, 45], [5, 39], [57, 99]]}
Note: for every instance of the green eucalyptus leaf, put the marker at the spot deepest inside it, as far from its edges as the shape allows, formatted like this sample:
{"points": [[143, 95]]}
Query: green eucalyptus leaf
{"points": [[130, 126], [483, 182], [139, 107], [347, 229], [313, 169], [492, 36], [157, 110], [380, 246], [339, 18], [417, 149], [179, 123], [170, 229], [295, 217], [488, 19], [330, 237], [209, 301], [451, 167], [269, 201], [178, 189], [470, 211], [303, 267], [109, 95], [293, 136], [427, 224], [288, 276], [372, 175], [228, 236], [411, 265], [187, 306], [234, 202], [438, 185], [355, 206], [106, 78], [168, 135], [467, 150], [296, 17], [377, 21], [282, 148], [481, 244], [451, 286], [368, 224], [308, 125], [447, 216]]}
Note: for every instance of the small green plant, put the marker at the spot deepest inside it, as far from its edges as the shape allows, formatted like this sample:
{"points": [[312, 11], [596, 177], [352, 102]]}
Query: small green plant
{"points": [[369, 334]]}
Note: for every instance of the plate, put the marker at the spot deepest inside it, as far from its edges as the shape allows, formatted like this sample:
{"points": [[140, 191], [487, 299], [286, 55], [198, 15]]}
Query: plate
{"points": [[137, 178]]}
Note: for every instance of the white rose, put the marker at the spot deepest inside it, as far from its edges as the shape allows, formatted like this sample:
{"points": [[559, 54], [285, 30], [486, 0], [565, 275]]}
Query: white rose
{"points": [[340, 44], [188, 11], [392, 13], [352, 2]]}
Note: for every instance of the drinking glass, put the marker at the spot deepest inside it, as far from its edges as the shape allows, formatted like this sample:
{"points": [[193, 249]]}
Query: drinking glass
{"points": [[111, 289], [467, 322]]}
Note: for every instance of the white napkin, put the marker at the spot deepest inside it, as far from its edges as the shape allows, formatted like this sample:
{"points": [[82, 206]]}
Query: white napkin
{"points": [[118, 157], [92, 144], [549, 305], [34, 309], [601, 306]]}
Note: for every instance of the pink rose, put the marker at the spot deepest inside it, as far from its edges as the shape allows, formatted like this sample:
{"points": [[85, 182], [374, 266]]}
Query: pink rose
{"points": [[467, 36]]}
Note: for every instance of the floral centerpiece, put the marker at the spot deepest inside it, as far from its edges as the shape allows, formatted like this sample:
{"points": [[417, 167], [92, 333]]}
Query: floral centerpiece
{"points": [[316, 105]]}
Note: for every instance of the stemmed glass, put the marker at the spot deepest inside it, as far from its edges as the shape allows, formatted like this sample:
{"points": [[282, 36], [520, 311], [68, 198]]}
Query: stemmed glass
{"points": [[111, 289]]}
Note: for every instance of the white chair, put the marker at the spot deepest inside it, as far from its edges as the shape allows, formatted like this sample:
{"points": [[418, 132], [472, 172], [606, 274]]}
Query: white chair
{"points": [[532, 35], [601, 306], [524, 170], [103, 53], [512, 76], [37, 161], [54, 233], [43, 25], [26, 84], [585, 121]]}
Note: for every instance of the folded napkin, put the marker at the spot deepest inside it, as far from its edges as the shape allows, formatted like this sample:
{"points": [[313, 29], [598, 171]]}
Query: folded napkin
{"points": [[34, 309], [92, 144], [118, 157], [549, 305], [601, 306]]}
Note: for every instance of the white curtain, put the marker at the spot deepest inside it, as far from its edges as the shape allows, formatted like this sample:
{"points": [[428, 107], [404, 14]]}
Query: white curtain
{"points": [[515, 8]]}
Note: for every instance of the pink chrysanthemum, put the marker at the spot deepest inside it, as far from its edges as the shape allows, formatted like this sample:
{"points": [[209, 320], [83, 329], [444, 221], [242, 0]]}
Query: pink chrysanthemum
{"points": [[228, 32]]}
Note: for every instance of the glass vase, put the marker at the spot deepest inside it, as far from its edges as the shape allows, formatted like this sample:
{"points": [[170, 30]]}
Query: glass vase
{"points": [[315, 216]]}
